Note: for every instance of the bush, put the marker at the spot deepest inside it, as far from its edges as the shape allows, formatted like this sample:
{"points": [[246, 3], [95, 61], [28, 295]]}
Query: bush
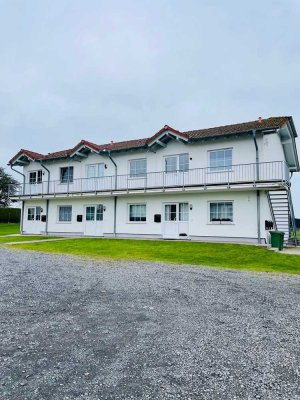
{"points": [[10, 215]]}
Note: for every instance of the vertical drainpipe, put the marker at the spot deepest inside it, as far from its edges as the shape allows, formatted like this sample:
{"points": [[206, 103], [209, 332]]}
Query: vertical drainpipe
{"points": [[23, 206], [257, 192], [115, 197], [47, 200], [48, 182]]}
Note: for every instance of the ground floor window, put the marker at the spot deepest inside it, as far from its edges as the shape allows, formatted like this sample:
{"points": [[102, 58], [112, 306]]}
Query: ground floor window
{"points": [[65, 213], [34, 213], [137, 212], [221, 211]]}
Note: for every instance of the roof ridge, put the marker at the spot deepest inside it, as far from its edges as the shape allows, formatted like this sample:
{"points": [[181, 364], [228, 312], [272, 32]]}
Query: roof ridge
{"points": [[197, 134]]}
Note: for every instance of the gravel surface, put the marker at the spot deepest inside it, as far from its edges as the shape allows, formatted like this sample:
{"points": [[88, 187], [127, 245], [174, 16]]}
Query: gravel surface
{"points": [[82, 329]]}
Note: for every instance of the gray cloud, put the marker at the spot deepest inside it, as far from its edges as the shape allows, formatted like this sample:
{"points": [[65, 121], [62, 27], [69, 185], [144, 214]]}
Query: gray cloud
{"points": [[122, 69]]}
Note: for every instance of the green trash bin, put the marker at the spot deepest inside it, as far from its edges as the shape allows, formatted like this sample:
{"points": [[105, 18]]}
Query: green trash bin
{"points": [[277, 238]]}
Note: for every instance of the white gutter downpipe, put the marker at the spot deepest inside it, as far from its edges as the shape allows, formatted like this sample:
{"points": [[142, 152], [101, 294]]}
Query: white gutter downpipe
{"points": [[115, 197], [22, 209], [257, 192]]}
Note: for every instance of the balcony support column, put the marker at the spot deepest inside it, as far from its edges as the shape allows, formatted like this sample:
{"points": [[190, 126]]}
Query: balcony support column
{"points": [[115, 215], [47, 215]]}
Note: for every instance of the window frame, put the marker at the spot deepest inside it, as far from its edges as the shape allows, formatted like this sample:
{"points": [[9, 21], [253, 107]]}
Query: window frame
{"points": [[71, 167], [137, 175], [178, 163], [36, 214], [58, 214], [38, 176], [220, 221], [99, 212], [224, 168], [136, 221], [97, 166]]}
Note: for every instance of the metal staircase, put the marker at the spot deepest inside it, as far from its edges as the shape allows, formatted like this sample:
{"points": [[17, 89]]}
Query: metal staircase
{"points": [[282, 211]]}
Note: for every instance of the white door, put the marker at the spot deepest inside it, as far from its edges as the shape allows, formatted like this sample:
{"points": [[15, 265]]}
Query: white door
{"points": [[34, 224], [93, 220], [176, 220]]}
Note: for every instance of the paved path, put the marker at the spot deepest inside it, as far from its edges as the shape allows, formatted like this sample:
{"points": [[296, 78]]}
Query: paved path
{"points": [[80, 329]]}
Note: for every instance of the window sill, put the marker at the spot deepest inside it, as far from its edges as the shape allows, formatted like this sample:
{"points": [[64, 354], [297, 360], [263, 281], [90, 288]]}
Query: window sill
{"points": [[136, 222], [221, 223], [64, 222]]}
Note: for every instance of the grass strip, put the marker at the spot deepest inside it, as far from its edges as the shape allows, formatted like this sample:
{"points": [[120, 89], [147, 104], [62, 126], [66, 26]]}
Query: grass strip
{"points": [[224, 255], [10, 239], [9, 229]]}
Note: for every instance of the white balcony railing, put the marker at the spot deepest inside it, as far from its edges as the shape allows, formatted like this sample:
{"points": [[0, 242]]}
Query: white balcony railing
{"points": [[275, 171]]}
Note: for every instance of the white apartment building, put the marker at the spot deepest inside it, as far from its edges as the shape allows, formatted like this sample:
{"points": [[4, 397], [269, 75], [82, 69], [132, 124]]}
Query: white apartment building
{"points": [[228, 183]]}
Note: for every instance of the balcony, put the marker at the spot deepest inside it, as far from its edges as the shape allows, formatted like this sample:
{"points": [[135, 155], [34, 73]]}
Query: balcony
{"points": [[265, 174]]}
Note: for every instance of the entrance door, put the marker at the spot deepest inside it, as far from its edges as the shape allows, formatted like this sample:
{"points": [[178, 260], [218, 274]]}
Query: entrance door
{"points": [[176, 220], [93, 221], [34, 223]]}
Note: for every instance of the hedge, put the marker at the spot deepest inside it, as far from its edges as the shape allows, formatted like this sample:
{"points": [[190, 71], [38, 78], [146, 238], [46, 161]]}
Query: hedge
{"points": [[10, 215]]}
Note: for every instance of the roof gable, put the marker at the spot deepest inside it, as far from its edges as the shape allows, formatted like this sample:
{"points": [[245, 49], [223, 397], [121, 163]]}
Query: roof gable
{"points": [[164, 135]]}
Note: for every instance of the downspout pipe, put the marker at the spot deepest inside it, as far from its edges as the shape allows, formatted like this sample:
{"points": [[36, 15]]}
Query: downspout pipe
{"points": [[257, 192], [116, 168], [47, 201], [20, 173], [48, 183], [115, 197], [22, 212]]}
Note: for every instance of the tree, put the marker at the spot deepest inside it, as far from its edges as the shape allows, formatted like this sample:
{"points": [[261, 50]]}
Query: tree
{"points": [[8, 187]]}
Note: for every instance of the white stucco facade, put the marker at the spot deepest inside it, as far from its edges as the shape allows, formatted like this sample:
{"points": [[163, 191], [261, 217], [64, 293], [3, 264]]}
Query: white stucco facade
{"points": [[214, 189]]}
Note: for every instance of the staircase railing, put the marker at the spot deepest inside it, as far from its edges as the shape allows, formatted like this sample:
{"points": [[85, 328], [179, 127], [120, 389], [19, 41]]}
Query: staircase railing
{"points": [[293, 228], [272, 211]]}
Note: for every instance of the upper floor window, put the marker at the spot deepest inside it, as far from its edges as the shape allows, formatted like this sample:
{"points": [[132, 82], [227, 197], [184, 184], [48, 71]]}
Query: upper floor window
{"points": [[95, 170], [66, 174], [65, 213], [179, 162], [138, 168], [35, 176], [220, 160], [221, 211]]}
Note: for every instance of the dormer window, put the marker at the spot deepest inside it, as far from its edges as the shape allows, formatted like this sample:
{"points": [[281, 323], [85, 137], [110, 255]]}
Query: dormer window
{"points": [[35, 176], [66, 174]]}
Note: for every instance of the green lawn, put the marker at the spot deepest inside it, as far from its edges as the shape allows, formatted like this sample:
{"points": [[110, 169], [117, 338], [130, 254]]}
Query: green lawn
{"points": [[235, 256], [8, 239], [9, 229]]}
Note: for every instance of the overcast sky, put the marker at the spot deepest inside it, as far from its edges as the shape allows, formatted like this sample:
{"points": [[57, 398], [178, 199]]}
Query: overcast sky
{"points": [[115, 70]]}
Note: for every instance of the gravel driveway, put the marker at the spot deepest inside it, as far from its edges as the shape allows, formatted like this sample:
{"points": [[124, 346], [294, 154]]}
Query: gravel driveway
{"points": [[82, 329]]}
